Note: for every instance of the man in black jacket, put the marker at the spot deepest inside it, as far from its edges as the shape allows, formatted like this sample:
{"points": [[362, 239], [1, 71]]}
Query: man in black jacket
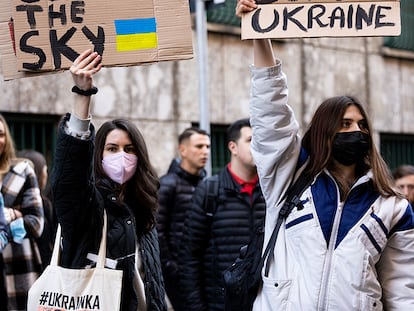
{"points": [[212, 237], [176, 191]]}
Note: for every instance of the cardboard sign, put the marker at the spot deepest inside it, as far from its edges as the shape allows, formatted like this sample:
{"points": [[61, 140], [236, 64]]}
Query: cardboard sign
{"points": [[322, 18], [47, 35]]}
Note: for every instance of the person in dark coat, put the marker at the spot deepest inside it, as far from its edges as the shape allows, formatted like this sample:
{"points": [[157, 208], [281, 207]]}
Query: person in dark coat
{"points": [[211, 243], [110, 172], [175, 193]]}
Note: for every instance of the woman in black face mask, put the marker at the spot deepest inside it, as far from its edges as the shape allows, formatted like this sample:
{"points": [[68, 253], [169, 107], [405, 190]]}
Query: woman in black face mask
{"points": [[339, 140], [350, 244]]}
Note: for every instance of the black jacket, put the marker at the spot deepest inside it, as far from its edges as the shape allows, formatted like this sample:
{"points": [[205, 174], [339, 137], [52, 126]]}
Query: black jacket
{"points": [[210, 245], [79, 207], [175, 194]]}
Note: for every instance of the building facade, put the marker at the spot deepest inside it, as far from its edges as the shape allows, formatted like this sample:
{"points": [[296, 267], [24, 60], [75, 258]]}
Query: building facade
{"points": [[163, 98]]}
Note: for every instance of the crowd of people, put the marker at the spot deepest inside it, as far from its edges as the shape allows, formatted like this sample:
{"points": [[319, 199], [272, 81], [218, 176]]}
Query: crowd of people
{"points": [[349, 246]]}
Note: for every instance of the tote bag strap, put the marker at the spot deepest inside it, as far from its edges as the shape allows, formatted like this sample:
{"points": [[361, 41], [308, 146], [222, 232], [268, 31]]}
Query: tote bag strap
{"points": [[102, 247]]}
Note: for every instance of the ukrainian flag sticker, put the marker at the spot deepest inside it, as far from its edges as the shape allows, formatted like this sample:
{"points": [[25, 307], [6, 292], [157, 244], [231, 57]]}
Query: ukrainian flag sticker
{"points": [[136, 34]]}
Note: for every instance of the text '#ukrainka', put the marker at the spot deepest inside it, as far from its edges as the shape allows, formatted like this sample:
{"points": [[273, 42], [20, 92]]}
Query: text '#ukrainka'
{"points": [[50, 301]]}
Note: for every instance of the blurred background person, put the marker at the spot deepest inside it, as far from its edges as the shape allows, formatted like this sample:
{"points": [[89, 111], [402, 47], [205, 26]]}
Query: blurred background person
{"points": [[23, 211], [46, 240], [175, 194], [404, 181]]}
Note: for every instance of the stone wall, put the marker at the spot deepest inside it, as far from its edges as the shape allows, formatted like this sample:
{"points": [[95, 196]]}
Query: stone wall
{"points": [[163, 98]]}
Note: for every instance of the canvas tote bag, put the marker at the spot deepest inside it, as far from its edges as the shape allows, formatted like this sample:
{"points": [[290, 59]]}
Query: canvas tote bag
{"points": [[66, 289]]}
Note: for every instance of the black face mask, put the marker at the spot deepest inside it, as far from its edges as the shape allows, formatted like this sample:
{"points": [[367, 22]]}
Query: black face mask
{"points": [[350, 147]]}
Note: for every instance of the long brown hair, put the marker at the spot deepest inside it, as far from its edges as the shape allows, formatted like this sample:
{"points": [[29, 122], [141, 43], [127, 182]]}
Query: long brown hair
{"points": [[8, 153], [142, 189], [319, 137]]}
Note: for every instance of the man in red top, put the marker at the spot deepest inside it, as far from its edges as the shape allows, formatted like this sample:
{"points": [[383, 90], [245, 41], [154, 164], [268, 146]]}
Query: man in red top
{"points": [[212, 237]]}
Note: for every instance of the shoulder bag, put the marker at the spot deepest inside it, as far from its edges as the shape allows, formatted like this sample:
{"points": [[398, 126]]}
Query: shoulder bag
{"points": [[66, 289], [243, 278]]}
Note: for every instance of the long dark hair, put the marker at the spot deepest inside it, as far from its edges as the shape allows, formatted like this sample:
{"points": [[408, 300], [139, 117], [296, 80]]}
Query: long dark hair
{"points": [[141, 191], [319, 137]]}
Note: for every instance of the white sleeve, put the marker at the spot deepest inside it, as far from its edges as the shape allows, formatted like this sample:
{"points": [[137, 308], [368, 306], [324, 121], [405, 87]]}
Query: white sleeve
{"points": [[275, 143], [78, 127]]}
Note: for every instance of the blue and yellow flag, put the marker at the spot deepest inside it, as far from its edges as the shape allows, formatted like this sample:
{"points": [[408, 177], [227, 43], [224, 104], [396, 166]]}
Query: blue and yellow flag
{"points": [[136, 34]]}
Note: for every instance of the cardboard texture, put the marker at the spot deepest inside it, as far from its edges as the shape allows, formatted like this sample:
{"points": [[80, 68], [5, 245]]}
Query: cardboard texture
{"points": [[49, 35], [322, 18]]}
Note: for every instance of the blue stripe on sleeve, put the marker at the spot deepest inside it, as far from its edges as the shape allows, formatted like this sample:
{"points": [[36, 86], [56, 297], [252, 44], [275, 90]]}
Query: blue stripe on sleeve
{"points": [[371, 238], [406, 222], [379, 221]]}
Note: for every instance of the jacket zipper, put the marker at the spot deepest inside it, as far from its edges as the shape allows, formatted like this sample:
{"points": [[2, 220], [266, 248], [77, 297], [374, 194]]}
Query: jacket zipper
{"points": [[323, 302]]}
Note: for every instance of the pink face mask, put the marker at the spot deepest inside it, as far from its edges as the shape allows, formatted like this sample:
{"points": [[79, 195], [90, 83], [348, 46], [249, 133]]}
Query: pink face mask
{"points": [[120, 166]]}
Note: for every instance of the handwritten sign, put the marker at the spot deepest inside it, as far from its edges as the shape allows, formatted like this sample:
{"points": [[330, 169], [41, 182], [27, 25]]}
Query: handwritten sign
{"points": [[322, 18], [47, 35]]}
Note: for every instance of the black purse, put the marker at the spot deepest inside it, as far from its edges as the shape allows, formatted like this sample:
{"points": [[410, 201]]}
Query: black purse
{"points": [[243, 278]]}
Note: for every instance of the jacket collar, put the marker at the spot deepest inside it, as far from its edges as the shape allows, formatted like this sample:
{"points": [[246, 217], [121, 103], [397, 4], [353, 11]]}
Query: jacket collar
{"points": [[176, 168]]}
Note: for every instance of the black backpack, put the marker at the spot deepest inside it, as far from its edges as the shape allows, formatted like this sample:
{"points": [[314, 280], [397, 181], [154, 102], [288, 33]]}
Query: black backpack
{"points": [[211, 195], [243, 278]]}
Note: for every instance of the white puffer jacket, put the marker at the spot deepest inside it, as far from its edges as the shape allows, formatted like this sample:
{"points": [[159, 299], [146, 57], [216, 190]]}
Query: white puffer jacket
{"points": [[330, 255]]}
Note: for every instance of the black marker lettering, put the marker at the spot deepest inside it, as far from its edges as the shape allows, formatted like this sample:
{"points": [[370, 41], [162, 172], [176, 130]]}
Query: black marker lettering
{"points": [[57, 15], [59, 46], [288, 16], [317, 16], [378, 17], [350, 16], [98, 41], [77, 8], [256, 25], [30, 9], [362, 15], [32, 50], [265, 1], [340, 17]]}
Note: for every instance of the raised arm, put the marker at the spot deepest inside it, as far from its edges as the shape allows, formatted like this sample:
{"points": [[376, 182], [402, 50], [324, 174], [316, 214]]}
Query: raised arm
{"points": [[263, 52], [275, 144], [82, 70], [73, 192]]}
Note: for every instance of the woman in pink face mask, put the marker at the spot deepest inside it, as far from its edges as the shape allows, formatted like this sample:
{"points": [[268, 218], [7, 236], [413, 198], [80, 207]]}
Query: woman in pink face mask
{"points": [[116, 152], [108, 171]]}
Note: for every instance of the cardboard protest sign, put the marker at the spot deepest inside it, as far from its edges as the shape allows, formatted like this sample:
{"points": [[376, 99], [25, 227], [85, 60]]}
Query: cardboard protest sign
{"points": [[322, 18], [47, 35]]}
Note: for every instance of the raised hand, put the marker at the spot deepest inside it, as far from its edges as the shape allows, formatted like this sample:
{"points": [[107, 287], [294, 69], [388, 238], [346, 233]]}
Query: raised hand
{"points": [[245, 6], [82, 70], [84, 67]]}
